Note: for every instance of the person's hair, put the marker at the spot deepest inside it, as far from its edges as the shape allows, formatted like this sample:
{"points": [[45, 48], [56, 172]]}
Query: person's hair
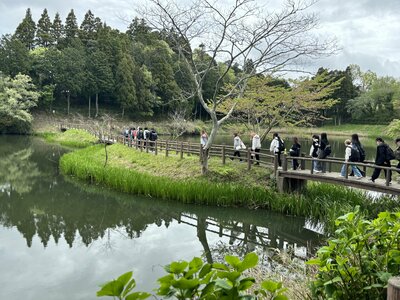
{"points": [[315, 136], [379, 139], [324, 137], [203, 131], [397, 140], [235, 134], [145, 128], [347, 142], [354, 138], [275, 134], [295, 140]]}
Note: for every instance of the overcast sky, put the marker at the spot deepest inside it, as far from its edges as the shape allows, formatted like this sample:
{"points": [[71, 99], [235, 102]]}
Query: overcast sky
{"points": [[368, 31]]}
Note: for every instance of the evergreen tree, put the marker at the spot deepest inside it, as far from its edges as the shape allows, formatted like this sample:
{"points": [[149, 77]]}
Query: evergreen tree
{"points": [[25, 31], [14, 56], [71, 27], [89, 28], [125, 86], [57, 30], [43, 33]]}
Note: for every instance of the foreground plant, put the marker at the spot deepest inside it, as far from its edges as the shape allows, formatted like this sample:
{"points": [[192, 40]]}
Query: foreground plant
{"points": [[360, 258], [199, 280]]}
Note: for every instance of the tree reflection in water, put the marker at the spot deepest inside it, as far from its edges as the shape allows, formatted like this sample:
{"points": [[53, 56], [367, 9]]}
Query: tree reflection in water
{"points": [[81, 213]]}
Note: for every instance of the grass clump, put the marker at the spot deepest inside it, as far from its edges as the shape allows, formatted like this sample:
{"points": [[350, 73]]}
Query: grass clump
{"points": [[76, 138]]}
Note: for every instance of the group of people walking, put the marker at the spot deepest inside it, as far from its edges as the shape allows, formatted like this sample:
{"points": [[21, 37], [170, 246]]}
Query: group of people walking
{"points": [[141, 135]]}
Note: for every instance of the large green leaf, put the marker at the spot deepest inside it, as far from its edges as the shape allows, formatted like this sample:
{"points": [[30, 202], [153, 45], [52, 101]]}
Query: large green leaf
{"points": [[249, 261], [112, 288], [234, 261], [195, 264], [270, 286], [183, 283], [178, 267], [138, 295], [124, 278]]}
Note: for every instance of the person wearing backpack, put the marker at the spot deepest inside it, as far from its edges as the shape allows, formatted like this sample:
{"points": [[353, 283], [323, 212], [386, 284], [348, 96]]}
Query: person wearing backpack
{"points": [[397, 153], [323, 151], [314, 152], [295, 152], [351, 155], [355, 142], [383, 157], [277, 147], [237, 146]]}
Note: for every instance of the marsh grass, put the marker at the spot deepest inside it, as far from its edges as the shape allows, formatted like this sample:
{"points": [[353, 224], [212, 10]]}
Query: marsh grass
{"points": [[172, 178], [75, 138]]}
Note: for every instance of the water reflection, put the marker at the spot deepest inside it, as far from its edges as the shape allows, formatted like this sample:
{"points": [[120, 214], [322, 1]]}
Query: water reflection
{"points": [[55, 225]]}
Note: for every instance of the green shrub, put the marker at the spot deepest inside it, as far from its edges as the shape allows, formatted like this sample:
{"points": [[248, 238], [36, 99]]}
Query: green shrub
{"points": [[199, 280], [360, 257]]}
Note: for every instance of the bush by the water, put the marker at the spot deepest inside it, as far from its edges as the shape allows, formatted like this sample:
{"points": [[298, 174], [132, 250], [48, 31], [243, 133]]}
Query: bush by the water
{"points": [[199, 280], [360, 257]]}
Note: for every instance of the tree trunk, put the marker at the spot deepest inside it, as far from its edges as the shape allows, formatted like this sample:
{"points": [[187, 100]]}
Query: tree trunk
{"points": [[90, 100], [97, 105], [205, 150], [204, 161], [68, 103]]}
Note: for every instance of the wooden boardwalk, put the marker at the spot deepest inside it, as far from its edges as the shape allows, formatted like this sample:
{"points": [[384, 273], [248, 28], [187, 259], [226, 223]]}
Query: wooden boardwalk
{"points": [[334, 178]]}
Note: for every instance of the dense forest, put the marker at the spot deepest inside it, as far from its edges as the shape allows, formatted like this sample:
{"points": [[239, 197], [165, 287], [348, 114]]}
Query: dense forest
{"points": [[139, 73]]}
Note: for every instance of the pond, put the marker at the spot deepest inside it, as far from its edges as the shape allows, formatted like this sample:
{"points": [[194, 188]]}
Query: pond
{"points": [[60, 239]]}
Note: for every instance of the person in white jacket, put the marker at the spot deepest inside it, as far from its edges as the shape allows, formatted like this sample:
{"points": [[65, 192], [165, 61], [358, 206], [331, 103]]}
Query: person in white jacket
{"points": [[256, 146], [274, 147], [347, 155], [237, 146]]}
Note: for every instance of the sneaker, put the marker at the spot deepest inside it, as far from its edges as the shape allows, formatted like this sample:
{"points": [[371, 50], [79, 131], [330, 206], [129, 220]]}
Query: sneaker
{"points": [[342, 176], [317, 171], [372, 180], [359, 177]]}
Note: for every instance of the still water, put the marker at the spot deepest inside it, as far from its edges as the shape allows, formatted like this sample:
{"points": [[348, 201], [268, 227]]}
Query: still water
{"points": [[60, 239]]}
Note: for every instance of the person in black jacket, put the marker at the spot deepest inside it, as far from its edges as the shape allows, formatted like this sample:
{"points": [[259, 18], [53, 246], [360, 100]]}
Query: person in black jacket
{"points": [[381, 160], [295, 152], [322, 152], [355, 142], [314, 152]]}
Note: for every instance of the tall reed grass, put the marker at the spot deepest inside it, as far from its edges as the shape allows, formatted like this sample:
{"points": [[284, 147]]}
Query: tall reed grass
{"points": [[320, 202], [75, 138]]}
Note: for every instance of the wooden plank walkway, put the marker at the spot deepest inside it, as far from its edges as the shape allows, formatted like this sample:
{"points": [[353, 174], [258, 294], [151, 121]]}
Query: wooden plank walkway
{"points": [[334, 178]]}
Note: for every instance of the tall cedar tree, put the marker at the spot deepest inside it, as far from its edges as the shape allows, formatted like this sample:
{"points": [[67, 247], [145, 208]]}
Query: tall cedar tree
{"points": [[57, 30], [14, 56], [89, 28], [125, 86], [71, 27], [25, 31], [43, 33]]}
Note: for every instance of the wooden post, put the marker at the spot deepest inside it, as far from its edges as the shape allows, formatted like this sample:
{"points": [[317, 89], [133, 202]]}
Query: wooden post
{"points": [[200, 152], [248, 159], [136, 144], [347, 170], [388, 177], [141, 145], [393, 288], [329, 167], [302, 162], [181, 150], [166, 148], [155, 149], [275, 164], [312, 167], [189, 148], [284, 162], [365, 170], [223, 154], [147, 146]]}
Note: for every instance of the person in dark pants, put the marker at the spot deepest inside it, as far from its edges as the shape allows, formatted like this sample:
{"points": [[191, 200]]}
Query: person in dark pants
{"points": [[256, 146], [381, 160], [295, 152], [237, 146], [355, 141], [314, 152], [323, 152], [276, 147]]}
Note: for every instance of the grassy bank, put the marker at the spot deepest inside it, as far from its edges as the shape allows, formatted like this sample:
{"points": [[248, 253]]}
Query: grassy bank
{"points": [[75, 138], [172, 178]]}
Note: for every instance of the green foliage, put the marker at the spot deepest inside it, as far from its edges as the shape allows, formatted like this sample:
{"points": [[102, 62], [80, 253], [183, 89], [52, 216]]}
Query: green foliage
{"points": [[199, 280], [43, 34], [17, 97], [122, 288], [14, 56], [360, 257], [393, 129]]}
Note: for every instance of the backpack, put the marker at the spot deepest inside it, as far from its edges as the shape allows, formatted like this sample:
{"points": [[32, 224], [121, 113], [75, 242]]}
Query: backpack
{"points": [[362, 153], [390, 153], [327, 150], [281, 145], [355, 154], [397, 154]]}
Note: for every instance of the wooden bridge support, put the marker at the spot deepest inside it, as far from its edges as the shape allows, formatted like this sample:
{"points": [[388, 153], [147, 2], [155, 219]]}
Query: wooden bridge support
{"points": [[290, 185]]}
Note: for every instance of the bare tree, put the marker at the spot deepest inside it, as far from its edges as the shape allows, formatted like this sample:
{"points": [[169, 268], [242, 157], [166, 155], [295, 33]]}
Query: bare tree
{"points": [[237, 33]]}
